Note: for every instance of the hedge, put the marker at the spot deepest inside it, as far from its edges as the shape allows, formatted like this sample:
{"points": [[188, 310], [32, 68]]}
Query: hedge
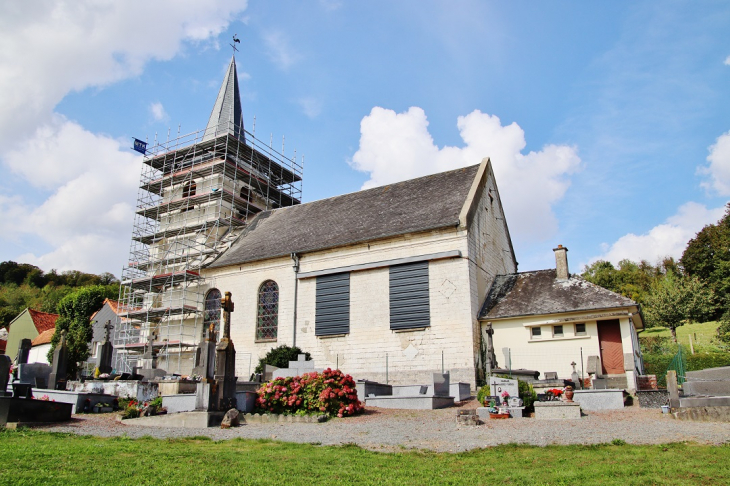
{"points": [[657, 364]]}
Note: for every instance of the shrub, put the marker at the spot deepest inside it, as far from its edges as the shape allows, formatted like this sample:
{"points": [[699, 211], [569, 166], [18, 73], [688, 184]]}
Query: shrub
{"points": [[328, 393], [280, 357], [657, 364], [723, 330]]}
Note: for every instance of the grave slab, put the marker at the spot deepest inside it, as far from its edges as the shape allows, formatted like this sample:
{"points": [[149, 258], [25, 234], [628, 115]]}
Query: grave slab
{"points": [[142, 392], [721, 373], [460, 391], [75, 399], [557, 411], [23, 410], [652, 398], [707, 387], [411, 403], [183, 420], [599, 399]]}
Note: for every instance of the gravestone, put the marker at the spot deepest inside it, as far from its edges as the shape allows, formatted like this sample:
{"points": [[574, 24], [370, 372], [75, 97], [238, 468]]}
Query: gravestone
{"points": [[441, 384], [673, 389], [105, 358], [149, 358], [575, 378], [206, 356], [497, 386], [35, 373], [594, 366], [24, 350], [551, 375], [5, 363], [57, 378], [225, 362]]}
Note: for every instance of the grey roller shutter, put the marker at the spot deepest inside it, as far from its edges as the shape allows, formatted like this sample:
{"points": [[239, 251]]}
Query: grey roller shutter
{"points": [[332, 312], [409, 301]]}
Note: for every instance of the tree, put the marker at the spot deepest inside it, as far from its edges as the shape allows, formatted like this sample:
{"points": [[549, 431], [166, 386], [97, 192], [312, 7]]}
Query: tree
{"points": [[75, 311], [674, 300], [707, 257], [630, 279]]}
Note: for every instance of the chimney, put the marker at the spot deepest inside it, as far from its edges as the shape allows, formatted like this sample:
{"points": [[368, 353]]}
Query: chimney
{"points": [[561, 263]]}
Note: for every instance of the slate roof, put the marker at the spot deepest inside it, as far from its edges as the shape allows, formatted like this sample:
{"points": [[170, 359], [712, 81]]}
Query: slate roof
{"points": [[43, 320], [44, 337], [422, 204], [538, 292], [226, 114], [113, 305]]}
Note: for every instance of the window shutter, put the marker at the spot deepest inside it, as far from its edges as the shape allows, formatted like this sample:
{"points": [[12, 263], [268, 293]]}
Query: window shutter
{"points": [[332, 312], [409, 300]]}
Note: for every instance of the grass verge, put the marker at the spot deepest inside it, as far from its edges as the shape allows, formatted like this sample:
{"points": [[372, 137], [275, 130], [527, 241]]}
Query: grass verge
{"points": [[34, 457]]}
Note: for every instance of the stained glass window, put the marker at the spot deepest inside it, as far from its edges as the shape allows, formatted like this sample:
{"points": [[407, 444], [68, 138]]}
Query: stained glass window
{"points": [[267, 323], [212, 312]]}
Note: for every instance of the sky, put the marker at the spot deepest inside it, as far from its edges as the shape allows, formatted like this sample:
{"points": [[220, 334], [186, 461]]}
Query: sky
{"points": [[607, 123]]}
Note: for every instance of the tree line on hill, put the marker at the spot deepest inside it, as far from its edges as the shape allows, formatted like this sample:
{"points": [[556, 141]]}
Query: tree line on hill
{"points": [[26, 286], [694, 289]]}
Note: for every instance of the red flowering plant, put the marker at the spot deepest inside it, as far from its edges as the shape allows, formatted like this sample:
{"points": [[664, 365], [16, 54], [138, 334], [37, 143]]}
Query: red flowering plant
{"points": [[328, 393], [554, 392]]}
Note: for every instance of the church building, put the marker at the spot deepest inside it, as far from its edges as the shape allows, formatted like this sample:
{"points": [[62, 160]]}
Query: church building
{"points": [[384, 283]]}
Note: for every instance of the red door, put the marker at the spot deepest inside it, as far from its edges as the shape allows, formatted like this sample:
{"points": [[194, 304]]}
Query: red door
{"points": [[612, 351]]}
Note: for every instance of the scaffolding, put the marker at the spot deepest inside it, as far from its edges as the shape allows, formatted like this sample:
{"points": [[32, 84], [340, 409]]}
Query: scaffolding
{"points": [[197, 193]]}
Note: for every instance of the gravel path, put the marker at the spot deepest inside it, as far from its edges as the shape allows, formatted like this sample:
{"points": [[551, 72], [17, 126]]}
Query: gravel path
{"points": [[437, 430]]}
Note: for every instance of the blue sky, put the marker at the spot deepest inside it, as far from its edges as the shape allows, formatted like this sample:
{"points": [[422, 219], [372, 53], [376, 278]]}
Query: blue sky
{"points": [[607, 124]]}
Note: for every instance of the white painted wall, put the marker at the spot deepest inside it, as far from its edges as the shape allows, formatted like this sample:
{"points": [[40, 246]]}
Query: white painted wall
{"points": [[554, 353]]}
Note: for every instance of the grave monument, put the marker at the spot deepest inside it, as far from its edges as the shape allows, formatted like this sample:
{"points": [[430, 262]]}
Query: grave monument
{"points": [[24, 350], [105, 358], [225, 362], [57, 378]]}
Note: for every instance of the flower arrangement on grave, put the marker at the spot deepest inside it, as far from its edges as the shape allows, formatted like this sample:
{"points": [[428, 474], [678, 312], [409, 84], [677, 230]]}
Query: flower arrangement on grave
{"points": [[329, 393], [44, 398], [505, 396], [13, 367], [554, 393]]}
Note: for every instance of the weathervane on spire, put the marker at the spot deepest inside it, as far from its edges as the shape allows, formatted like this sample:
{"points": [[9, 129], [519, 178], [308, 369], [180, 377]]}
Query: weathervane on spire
{"points": [[235, 40]]}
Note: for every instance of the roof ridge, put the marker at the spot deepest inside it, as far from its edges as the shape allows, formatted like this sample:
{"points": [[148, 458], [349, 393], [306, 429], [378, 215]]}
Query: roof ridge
{"points": [[363, 191]]}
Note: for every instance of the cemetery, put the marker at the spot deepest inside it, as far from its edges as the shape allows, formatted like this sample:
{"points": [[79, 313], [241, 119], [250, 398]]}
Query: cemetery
{"points": [[302, 393]]}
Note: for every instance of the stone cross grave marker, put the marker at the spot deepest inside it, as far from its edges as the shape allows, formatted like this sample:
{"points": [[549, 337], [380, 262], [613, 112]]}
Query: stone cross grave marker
{"points": [[499, 385], [225, 361], [105, 356]]}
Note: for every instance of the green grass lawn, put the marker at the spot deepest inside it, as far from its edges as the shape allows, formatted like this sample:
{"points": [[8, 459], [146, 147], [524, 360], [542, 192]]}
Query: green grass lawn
{"points": [[32, 457], [702, 333]]}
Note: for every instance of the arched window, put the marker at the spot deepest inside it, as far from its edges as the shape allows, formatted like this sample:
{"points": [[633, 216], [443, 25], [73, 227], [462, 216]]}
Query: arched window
{"points": [[267, 324], [212, 312], [189, 189]]}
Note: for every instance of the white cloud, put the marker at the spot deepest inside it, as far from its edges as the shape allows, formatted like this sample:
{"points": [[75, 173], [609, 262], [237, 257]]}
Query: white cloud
{"points": [[398, 146], [49, 49], [667, 239], [158, 111], [727, 61], [311, 107], [91, 200], [719, 167], [280, 51]]}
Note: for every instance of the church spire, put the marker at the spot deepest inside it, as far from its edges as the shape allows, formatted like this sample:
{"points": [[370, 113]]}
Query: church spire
{"points": [[226, 115]]}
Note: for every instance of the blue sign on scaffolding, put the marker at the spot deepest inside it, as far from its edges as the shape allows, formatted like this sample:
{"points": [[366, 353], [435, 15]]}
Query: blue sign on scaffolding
{"points": [[140, 146]]}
